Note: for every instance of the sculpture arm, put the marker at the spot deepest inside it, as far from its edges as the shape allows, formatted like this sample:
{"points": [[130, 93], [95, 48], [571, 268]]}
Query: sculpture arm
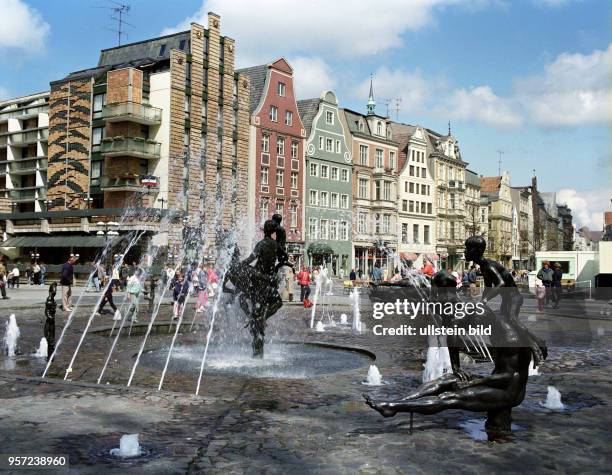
{"points": [[492, 292]]}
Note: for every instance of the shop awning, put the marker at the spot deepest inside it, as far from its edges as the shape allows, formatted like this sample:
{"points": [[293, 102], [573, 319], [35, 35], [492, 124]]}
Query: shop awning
{"points": [[54, 241], [320, 248], [432, 257], [408, 256]]}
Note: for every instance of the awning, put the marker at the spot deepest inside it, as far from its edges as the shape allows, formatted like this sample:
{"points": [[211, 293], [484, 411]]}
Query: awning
{"points": [[432, 257], [408, 256], [320, 248], [55, 241]]}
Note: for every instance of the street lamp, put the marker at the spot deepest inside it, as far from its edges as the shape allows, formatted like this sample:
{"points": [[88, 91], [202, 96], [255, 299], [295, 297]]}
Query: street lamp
{"points": [[88, 200], [162, 201], [110, 229], [14, 206], [49, 204], [34, 256]]}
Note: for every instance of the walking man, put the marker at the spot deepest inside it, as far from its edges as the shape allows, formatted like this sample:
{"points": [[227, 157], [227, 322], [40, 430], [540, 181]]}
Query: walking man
{"points": [[556, 285], [66, 281], [546, 276], [303, 279]]}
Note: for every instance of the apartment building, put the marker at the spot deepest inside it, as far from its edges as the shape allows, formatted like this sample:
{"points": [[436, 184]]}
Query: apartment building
{"points": [[416, 196], [476, 216], [276, 152], [24, 131], [496, 189], [522, 228]]}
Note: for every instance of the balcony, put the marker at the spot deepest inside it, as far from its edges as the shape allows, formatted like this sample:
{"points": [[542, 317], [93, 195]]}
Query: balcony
{"points": [[22, 167], [132, 112], [458, 185], [130, 147], [24, 138], [454, 212], [142, 183], [24, 194]]}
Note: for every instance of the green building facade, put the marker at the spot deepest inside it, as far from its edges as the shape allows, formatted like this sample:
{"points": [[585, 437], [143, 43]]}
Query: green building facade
{"points": [[328, 195]]}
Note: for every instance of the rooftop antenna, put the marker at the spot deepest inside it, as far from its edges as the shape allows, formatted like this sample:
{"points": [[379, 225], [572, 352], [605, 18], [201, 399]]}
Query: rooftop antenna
{"points": [[398, 101], [387, 104], [119, 12], [499, 161]]}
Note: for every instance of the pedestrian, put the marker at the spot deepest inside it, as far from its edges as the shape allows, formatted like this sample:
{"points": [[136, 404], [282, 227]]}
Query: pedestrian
{"points": [[377, 273], [134, 287], [3, 281], [36, 274], [303, 278], [472, 278], [360, 273], [66, 281], [168, 274], [14, 274], [181, 289], [202, 293], [545, 274], [28, 274], [108, 298], [123, 275], [556, 284], [540, 292], [352, 276], [427, 268], [289, 277], [43, 273], [99, 274]]}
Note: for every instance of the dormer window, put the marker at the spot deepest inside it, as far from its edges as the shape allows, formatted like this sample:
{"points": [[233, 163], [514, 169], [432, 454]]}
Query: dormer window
{"points": [[379, 128], [162, 49], [329, 117], [281, 89], [361, 126]]}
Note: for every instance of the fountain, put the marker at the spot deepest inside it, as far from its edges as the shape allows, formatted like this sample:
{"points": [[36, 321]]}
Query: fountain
{"points": [[42, 351], [128, 447], [11, 336], [533, 369], [319, 327], [343, 319], [374, 377], [438, 360], [356, 313], [553, 399]]}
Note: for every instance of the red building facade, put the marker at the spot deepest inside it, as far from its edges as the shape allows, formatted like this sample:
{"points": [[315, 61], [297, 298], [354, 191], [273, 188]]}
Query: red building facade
{"points": [[276, 180]]}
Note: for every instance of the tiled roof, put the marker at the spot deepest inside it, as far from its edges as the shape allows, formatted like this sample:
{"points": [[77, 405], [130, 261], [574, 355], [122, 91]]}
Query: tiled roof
{"points": [[490, 184], [352, 119], [148, 49], [402, 134], [257, 77], [308, 109]]}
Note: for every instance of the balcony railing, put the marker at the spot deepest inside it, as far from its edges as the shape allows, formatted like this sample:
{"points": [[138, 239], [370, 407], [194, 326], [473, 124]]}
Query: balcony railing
{"points": [[23, 113], [141, 183], [132, 112], [23, 195], [22, 166], [131, 147], [24, 138]]}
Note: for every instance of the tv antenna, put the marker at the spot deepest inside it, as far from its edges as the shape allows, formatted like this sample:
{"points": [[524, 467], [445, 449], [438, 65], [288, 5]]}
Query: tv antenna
{"points": [[387, 103], [398, 101], [118, 13], [499, 161]]}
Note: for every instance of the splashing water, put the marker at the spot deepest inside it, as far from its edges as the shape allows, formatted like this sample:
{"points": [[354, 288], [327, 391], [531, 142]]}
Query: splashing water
{"points": [[356, 312], [553, 399], [438, 360], [314, 300], [374, 377], [11, 336], [533, 369], [344, 319], [43, 349], [128, 447], [319, 326]]}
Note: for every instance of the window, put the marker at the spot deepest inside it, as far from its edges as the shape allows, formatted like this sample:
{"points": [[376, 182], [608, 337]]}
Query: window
{"points": [[377, 190], [288, 118], [280, 208], [415, 233], [377, 223], [162, 49], [411, 206], [411, 170], [323, 201], [452, 200], [338, 146], [423, 190], [333, 230], [97, 134], [314, 198], [294, 180], [323, 229], [274, 113], [429, 211], [386, 223], [392, 160], [379, 128], [281, 89], [344, 201], [379, 158], [324, 171], [423, 172], [264, 175], [314, 169], [344, 174], [320, 143], [294, 149], [98, 103], [361, 126], [386, 191], [362, 222], [293, 215], [96, 169], [411, 187], [334, 173], [452, 230], [362, 190], [263, 211], [182, 45], [280, 146], [329, 145], [404, 205], [426, 234], [329, 117], [279, 178], [423, 206], [363, 155], [312, 228], [334, 200], [343, 231], [404, 233], [265, 143]]}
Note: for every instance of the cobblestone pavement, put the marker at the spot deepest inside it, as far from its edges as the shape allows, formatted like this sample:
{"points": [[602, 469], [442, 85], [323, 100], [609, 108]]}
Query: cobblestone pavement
{"points": [[243, 424]]}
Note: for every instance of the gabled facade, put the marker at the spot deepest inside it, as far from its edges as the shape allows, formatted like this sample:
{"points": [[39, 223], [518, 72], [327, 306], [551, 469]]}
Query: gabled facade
{"points": [[276, 152], [328, 193], [375, 166], [521, 204], [496, 190], [416, 196]]}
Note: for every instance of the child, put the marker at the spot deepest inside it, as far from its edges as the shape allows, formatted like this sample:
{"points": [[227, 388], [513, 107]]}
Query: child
{"points": [[181, 289], [202, 290], [540, 292], [134, 287]]}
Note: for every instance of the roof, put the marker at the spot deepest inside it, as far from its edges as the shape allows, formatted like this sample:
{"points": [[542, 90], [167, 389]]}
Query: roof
{"points": [[402, 133], [607, 218], [147, 49], [308, 108], [472, 178], [55, 241], [257, 77], [490, 184]]}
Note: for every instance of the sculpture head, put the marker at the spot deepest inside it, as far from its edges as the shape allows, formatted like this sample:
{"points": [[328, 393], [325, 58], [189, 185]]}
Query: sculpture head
{"points": [[269, 228], [53, 289], [475, 247], [277, 218]]}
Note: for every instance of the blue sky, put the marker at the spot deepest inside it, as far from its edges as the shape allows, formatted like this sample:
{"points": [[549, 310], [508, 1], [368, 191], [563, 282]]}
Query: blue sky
{"points": [[529, 77]]}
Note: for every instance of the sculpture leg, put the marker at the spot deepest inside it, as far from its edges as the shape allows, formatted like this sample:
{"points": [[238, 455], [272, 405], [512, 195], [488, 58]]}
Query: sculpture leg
{"points": [[257, 327], [50, 336], [444, 383], [499, 421]]}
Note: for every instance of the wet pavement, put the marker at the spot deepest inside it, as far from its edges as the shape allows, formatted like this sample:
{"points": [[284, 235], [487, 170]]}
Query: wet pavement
{"points": [[307, 417]]}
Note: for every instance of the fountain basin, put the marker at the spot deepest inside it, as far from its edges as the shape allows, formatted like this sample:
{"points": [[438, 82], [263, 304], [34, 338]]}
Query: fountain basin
{"points": [[283, 360]]}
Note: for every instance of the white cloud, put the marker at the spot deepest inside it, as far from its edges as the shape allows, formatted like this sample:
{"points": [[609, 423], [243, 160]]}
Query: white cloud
{"points": [[312, 76], [481, 104], [574, 89], [551, 3], [587, 206], [340, 28], [4, 94], [21, 27]]}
